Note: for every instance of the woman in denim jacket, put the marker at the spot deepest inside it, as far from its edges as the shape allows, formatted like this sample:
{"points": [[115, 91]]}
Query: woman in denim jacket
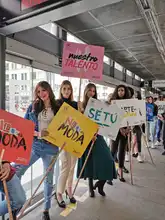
{"points": [[41, 112]]}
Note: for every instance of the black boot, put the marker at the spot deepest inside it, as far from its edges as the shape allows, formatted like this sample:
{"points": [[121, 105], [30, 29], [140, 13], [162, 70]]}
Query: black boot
{"points": [[45, 216], [91, 190], [100, 185]]}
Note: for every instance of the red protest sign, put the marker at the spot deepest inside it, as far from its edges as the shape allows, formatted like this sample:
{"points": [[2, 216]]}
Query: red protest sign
{"points": [[16, 137]]}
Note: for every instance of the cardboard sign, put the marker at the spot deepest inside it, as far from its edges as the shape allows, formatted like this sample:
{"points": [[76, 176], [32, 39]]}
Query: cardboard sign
{"points": [[135, 111], [16, 137], [161, 107], [73, 128], [82, 61], [108, 117]]}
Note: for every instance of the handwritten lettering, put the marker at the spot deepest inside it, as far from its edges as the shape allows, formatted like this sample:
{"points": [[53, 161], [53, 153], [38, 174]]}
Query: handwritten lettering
{"points": [[12, 141], [72, 131], [101, 117]]}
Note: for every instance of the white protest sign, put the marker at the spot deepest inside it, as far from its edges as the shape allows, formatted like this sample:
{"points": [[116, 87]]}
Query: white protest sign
{"points": [[107, 116], [135, 111], [161, 107]]}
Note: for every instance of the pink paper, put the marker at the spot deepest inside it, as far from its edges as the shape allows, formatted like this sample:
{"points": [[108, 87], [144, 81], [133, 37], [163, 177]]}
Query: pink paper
{"points": [[82, 61]]}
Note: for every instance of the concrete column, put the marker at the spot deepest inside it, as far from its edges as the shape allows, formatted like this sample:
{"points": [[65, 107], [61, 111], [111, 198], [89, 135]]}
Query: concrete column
{"points": [[2, 71]]}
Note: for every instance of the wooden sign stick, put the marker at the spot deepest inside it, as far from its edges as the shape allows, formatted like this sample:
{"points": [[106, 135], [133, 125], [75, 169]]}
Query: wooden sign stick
{"points": [[86, 160], [130, 155], [53, 161], [146, 143], [6, 190]]}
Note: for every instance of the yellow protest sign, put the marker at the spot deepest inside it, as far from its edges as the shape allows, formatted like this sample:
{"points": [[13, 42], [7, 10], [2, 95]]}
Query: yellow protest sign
{"points": [[73, 128]]}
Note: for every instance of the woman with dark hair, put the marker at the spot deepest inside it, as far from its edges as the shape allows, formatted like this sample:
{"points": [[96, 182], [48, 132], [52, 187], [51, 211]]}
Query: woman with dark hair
{"points": [[119, 145], [131, 96], [68, 161], [100, 165], [41, 112]]}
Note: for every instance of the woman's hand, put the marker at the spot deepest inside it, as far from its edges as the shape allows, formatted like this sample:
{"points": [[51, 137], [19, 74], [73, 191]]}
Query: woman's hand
{"points": [[80, 107], [44, 133], [94, 138], [122, 131], [5, 171]]}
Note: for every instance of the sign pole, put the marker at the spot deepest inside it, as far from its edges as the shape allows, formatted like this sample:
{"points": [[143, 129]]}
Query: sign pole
{"points": [[146, 143], [130, 153], [84, 165], [53, 161], [5, 189]]}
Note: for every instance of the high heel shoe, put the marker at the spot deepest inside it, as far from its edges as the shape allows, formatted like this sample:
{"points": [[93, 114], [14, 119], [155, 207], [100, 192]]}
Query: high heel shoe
{"points": [[60, 204], [125, 170], [121, 178], [72, 199], [100, 185]]}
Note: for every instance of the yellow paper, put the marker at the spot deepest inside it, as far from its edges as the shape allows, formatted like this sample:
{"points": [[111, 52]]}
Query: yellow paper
{"points": [[73, 128], [66, 212]]}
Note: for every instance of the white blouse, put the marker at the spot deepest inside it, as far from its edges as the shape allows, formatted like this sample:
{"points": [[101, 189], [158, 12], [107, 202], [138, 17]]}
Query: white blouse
{"points": [[44, 118]]}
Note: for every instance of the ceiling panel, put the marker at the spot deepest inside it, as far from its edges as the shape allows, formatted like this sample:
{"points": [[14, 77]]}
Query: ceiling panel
{"points": [[138, 41], [161, 20], [113, 46], [159, 6], [119, 12], [79, 23], [97, 35], [128, 29]]}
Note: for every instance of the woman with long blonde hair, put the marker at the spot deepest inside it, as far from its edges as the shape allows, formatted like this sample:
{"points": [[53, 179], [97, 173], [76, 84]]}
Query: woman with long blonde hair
{"points": [[68, 161]]}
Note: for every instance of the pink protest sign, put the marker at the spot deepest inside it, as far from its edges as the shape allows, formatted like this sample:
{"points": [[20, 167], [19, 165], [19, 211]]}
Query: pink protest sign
{"points": [[82, 61]]}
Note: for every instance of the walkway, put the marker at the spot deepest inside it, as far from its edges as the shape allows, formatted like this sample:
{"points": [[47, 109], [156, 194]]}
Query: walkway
{"points": [[143, 201]]}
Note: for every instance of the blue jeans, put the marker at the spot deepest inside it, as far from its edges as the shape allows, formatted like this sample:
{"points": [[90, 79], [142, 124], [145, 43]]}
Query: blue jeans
{"points": [[45, 151], [159, 128], [16, 195], [151, 130]]}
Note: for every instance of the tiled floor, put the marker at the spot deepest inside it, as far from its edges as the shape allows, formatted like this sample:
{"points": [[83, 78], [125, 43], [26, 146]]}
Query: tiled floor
{"points": [[145, 200]]}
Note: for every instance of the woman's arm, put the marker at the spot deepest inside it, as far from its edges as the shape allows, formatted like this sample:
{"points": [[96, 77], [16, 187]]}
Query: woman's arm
{"points": [[27, 112]]}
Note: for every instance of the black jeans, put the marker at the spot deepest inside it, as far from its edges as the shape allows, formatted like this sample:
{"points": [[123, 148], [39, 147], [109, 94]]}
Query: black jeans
{"points": [[119, 145], [138, 133]]}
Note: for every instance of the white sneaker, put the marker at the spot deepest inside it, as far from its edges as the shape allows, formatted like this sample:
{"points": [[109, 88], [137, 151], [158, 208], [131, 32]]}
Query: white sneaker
{"points": [[158, 143], [139, 158], [153, 146], [127, 157]]}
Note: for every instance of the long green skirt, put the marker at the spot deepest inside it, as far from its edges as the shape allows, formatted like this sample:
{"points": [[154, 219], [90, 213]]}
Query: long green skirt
{"points": [[100, 165]]}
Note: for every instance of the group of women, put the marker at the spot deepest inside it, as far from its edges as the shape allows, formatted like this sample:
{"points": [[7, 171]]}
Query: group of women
{"points": [[100, 165]]}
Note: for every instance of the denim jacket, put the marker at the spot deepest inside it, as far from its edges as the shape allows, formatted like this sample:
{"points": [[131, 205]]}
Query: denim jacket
{"points": [[30, 115]]}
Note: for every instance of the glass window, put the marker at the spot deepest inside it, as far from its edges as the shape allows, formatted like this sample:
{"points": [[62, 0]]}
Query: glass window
{"points": [[137, 77], [23, 76], [107, 60], [14, 76], [74, 39], [128, 73], [118, 67], [50, 27], [7, 77], [7, 66]]}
